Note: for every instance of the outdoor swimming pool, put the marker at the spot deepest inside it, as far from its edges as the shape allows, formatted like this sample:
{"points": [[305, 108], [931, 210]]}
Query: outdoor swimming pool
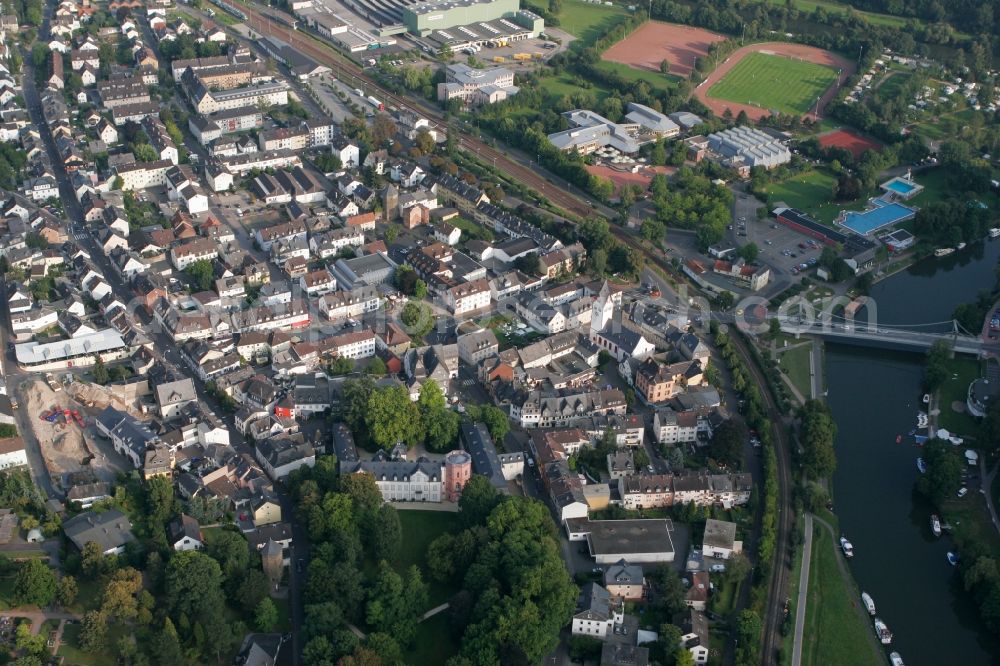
{"points": [[900, 186], [883, 215]]}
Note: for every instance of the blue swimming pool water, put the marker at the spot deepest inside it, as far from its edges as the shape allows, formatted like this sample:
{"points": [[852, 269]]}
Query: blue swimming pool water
{"points": [[865, 223], [900, 186]]}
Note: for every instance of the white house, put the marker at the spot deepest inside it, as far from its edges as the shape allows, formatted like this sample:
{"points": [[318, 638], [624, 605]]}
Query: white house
{"points": [[185, 533], [598, 614], [720, 539], [12, 453]]}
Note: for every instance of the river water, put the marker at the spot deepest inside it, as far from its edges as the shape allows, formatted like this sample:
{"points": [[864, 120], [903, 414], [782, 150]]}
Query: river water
{"points": [[874, 396]]}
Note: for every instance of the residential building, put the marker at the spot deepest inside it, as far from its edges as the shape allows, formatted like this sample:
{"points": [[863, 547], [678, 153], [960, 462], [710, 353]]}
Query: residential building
{"points": [[110, 530], [720, 539], [624, 581], [596, 613], [401, 481]]}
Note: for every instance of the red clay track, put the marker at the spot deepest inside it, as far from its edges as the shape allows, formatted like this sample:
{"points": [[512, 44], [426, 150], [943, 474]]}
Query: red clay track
{"points": [[656, 41], [848, 140], [798, 51]]}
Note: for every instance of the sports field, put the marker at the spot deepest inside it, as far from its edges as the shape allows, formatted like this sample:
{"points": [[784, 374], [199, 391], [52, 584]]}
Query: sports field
{"points": [[774, 82]]}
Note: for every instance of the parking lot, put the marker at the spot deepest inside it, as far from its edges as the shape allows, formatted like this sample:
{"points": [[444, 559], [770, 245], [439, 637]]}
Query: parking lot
{"points": [[781, 247]]}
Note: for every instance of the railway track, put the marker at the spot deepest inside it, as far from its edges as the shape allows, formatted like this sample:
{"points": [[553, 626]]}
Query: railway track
{"points": [[327, 55], [779, 572]]}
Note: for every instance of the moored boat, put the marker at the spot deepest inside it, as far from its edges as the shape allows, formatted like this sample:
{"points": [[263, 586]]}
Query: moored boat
{"points": [[882, 631], [935, 525], [847, 547], [921, 465], [868, 602], [943, 252], [952, 559], [994, 232], [961, 246], [895, 659]]}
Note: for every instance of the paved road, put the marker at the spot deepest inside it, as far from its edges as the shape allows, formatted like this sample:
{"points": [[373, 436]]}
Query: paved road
{"points": [[800, 605], [434, 611]]}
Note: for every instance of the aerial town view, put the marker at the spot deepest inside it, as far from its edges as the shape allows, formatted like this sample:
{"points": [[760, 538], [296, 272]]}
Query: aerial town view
{"points": [[499, 332]]}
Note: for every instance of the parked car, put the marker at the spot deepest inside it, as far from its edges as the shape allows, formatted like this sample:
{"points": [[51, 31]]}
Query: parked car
{"points": [[718, 568], [963, 491]]}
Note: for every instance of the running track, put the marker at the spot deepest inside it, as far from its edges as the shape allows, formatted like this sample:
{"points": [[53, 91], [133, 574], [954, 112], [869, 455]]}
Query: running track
{"points": [[797, 51]]}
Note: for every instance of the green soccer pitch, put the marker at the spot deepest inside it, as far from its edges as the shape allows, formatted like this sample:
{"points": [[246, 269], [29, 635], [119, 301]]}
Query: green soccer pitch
{"points": [[774, 82]]}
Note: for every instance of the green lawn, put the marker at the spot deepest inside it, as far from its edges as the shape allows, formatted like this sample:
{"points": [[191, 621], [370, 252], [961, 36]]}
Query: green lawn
{"points": [[588, 22], [569, 84], [774, 82], [69, 648], [795, 363], [964, 371], [810, 192], [838, 8], [435, 643], [472, 230], [419, 529], [893, 83], [835, 632], [654, 79]]}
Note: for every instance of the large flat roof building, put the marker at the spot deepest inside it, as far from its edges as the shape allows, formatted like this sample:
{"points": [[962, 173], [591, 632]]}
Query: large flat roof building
{"points": [[747, 146], [423, 17], [641, 540], [477, 86]]}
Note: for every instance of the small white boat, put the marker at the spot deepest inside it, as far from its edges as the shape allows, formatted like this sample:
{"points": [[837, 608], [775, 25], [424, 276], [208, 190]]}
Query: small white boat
{"points": [[921, 465], [952, 559], [927, 398], [882, 631], [847, 547], [868, 602], [994, 232], [943, 252], [961, 246], [895, 659], [935, 525]]}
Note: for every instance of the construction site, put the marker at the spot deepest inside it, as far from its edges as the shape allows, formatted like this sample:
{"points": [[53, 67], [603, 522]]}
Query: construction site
{"points": [[62, 421]]}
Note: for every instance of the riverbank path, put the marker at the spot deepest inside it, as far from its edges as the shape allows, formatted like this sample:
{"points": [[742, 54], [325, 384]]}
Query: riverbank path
{"points": [[816, 369], [800, 605]]}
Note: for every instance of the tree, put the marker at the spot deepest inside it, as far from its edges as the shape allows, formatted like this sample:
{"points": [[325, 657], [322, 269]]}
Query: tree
{"points": [[936, 367], [393, 418], [265, 617], [386, 533], [816, 434], [477, 501], [530, 264], [341, 366], [774, 327], [748, 628], [193, 588], [66, 591], [34, 584], [496, 422], [202, 274], [424, 141], [165, 647], [749, 252], [737, 567], [728, 442], [944, 472], [319, 652], [120, 602], [664, 66], [669, 590], [100, 372], [440, 423], [377, 368], [94, 633], [848, 188], [363, 491], [383, 129]]}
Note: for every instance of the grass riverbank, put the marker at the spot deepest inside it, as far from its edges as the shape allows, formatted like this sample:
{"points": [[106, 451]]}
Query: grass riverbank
{"points": [[836, 629]]}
